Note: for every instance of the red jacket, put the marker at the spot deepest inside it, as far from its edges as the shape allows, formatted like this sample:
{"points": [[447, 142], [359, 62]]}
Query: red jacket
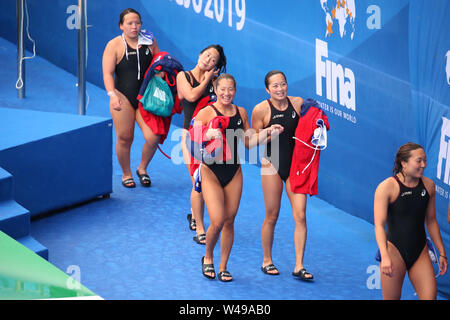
{"points": [[197, 141], [305, 181]]}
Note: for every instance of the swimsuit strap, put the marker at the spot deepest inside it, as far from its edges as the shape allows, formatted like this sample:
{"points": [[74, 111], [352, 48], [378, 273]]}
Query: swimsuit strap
{"points": [[289, 105], [222, 115], [137, 54], [403, 185], [217, 111]]}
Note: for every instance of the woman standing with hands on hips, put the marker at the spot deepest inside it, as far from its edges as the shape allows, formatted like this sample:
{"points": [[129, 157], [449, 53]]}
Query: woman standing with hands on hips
{"points": [[222, 180], [125, 60], [406, 201]]}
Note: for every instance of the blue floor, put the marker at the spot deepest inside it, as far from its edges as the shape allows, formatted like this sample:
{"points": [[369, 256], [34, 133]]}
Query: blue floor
{"points": [[137, 245]]}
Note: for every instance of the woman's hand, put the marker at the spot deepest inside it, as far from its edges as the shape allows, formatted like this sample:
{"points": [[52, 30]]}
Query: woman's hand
{"points": [[114, 102], [275, 130], [209, 75], [212, 133], [386, 266]]}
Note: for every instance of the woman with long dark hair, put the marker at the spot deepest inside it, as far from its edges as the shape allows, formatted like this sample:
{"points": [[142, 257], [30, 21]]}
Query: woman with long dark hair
{"points": [[196, 90], [405, 202]]}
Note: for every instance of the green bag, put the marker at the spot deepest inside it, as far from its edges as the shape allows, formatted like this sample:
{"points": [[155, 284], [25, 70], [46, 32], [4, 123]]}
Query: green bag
{"points": [[157, 98]]}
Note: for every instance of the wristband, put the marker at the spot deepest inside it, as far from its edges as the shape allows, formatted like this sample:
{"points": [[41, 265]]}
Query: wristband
{"points": [[111, 93]]}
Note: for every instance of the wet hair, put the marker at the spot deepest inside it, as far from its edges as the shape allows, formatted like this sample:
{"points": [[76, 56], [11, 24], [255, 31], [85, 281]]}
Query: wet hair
{"points": [[226, 76], [270, 74], [125, 12], [403, 155], [222, 62]]}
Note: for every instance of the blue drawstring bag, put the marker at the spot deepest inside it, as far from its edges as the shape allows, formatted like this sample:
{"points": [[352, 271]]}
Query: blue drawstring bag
{"points": [[157, 98]]}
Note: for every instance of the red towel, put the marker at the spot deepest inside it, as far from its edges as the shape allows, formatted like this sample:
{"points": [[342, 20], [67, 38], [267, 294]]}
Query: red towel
{"points": [[159, 125], [198, 135], [306, 182]]}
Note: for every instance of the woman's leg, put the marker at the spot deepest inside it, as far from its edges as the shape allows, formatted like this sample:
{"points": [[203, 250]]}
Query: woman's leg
{"points": [[392, 286], [422, 277], [298, 203], [150, 145], [214, 197], [272, 187], [124, 127], [197, 203], [232, 192]]}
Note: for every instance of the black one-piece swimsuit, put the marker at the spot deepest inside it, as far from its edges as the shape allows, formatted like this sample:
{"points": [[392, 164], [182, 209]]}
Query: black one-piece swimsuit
{"points": [[405, 220], [225, 171], [126, 80]]}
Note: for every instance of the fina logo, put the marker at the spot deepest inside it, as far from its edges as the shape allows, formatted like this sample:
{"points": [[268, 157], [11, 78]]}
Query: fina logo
{"points": [[344, 11], [444, 151], [336, 76]]}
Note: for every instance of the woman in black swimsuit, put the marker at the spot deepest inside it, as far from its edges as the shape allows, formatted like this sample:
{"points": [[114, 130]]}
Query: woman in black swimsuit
{"points": [[195, 87], [275, 166], [222, 181], [405, 202], [124, 66]]}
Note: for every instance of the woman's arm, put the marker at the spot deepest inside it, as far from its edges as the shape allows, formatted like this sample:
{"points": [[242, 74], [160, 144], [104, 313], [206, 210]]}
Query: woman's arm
{"points": [[154, 47], [252, 136], [185, 89], [109, 62], [432, 225], [380, 208]]}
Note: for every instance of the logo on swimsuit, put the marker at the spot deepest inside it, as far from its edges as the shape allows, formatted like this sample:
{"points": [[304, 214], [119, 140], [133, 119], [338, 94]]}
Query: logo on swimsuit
{"points": [[278, 116], [293, 114], [239, 122], [407, 193], [424, 192]]}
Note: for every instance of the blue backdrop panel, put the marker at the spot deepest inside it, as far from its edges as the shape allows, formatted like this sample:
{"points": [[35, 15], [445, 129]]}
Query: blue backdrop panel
{"points": [[352, 57], [430, 87], [378, 69], [57, 160]]}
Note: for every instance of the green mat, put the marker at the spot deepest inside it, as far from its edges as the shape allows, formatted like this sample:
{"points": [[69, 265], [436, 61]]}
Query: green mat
{"points": [[25, 275]]}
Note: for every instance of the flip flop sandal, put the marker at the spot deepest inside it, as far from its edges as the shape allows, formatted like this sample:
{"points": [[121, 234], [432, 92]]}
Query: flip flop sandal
{"points": [[200, 238], [208, 268], [144, 179], [129, 183], [192, 222], [302, 275], [224, 274], [270, 267]]}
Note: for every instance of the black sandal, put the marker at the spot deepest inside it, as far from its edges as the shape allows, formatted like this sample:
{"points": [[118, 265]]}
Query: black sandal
{"points": [[192, 223], [270, 267], [129, 183], [208, 268], [144, 179], [302, 274], [223, 274], [200, 238]]}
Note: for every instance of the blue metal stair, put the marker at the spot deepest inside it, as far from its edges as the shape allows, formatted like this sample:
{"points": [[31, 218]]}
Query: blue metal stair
{"points": [[14, 218]]}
